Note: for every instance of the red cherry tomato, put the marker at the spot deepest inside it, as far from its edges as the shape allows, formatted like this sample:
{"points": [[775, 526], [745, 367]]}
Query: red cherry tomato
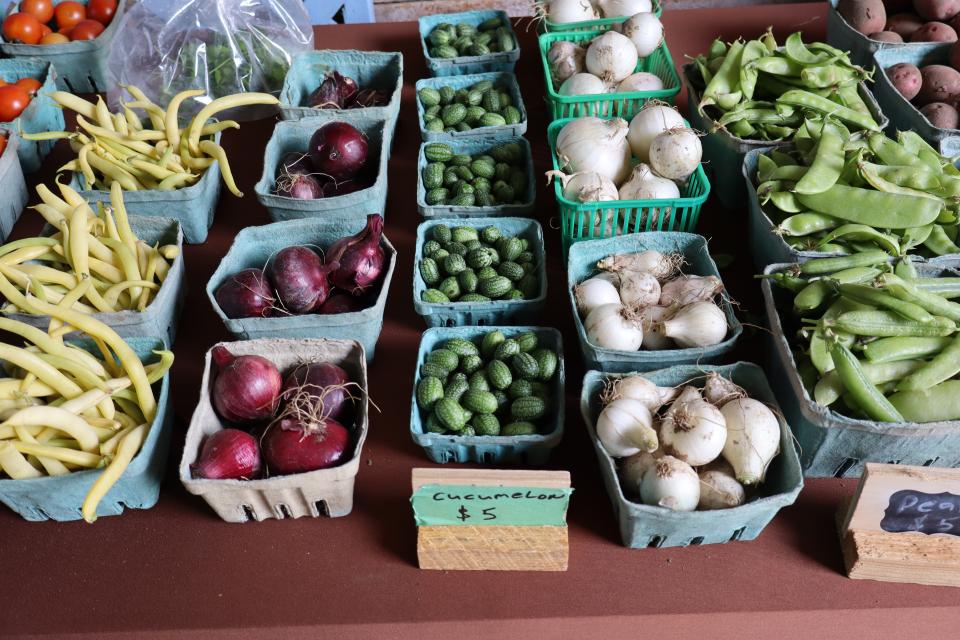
{"points": [[23, 28], [86, 30], [68, 14], [30, 85], [54, 38], [3, 144], [42, 10], [13, 100], [101, 10]]}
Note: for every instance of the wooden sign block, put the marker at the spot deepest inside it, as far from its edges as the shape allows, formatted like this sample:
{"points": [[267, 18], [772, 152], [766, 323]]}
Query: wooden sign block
{"points": [[488, 519], [903, 525]]}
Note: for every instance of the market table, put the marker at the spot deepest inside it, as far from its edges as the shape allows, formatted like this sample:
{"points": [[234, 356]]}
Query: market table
{"points": [[176, 570]]}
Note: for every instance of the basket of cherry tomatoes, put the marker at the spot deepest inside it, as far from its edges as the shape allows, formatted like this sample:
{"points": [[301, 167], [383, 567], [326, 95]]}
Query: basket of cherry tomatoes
{"points": [[74, 35], [25, 105]]}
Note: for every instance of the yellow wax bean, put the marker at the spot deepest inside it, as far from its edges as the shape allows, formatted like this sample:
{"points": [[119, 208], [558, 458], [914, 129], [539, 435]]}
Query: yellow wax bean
{"points": [[128, 448], [60, 419], [63, 454], [14, 464]]}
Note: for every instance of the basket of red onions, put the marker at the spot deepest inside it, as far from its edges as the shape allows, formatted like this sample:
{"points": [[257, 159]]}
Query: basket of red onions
{"points": [[310, 278], [343, 80], [334, 163], [279, 429]]}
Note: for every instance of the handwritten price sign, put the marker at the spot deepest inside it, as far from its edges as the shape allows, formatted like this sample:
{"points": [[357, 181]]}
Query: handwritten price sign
{"points": [[438, 505]]}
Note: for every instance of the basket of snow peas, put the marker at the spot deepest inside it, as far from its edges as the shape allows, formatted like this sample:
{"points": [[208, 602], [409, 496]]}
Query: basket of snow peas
{"points": [[755, 94], [866, 359], [831, 193]]}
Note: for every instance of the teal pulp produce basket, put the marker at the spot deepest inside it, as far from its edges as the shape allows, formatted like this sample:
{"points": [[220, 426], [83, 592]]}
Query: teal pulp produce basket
{"points": [[643, 526], [40, 116], [831, 444], [61, 497], [254, 246], [581, 264], [81, 64], [843, 36], [619, 104], [723, 152], [499, 79], [371, 69], [323, 492], [193, 206], [13, 185], [495, 312], [532, 450], [766, 245], [595, 220], [475, 146], [590, 25], [499, 61], [161, 316], [904, 116], [294, 135]]}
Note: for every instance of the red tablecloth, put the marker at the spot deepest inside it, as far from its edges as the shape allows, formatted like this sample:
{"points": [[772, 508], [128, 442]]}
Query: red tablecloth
{"points": [[177, 570]]}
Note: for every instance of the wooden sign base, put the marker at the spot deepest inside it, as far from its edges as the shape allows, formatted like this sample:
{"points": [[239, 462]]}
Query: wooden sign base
{"points": [[903, 525], [514, 547]]}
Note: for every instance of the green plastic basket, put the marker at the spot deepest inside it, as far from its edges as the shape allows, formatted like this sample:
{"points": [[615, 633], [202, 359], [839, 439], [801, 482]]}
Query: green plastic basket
{"points": [[502, 312], [621, 105], [593, 220], [643, 525], [600, 23]]}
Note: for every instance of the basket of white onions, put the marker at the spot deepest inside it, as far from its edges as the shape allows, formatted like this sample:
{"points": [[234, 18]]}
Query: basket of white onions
{"points": [[607, 73], [577, 15], [649, 300], [691, 454], [612, 177]]}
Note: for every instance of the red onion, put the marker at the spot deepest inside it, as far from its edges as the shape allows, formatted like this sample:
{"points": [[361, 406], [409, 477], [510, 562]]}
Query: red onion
{"points": [[340, 303], [247, 388], [320, 389], [360, 258], [291, 446], [301, 279], [246, 294], [300, 186], [294, 162], [228, 454], [338, 150], [335, 92]]}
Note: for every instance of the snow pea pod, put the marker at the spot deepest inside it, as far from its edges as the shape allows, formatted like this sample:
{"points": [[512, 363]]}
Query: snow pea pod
{"points": [[911, 177], [829, 389], [945, 287], [803, 224], [792, 173], [850, 95], [905, 268], [786, 201], [865, 393], [777, 66], [785, 279], [861, 232], [819, 349], [753, 50], [940, 403], [824, 77], [905, 290], [726, 80], [743, 130], [944, 366], [799, 53], [809, 100], [824, 266], [874, 208], [814, 294], [765, 168], [782, 159], [717, 48], [886, 324], [882, 300], [904, 348], [777, 132], [939, 243], [827, 163], [891, 153]]}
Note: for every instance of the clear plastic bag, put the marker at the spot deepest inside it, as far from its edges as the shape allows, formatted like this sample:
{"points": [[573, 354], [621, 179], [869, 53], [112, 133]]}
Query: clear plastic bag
{"points": [[221, 46]]}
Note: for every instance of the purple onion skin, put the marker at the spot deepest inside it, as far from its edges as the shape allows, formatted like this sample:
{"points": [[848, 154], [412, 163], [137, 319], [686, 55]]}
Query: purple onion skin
{"points": [[338, 150], [299, 278], [300, 186], [246, 294], [295, 162]]}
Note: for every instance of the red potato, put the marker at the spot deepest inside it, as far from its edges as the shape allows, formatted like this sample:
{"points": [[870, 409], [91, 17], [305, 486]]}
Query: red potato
{"points": [[941, 115], [886, 36], [934, 32], [940, 10], [906, 79], [904, 24], [866, 16], [940, 84]]}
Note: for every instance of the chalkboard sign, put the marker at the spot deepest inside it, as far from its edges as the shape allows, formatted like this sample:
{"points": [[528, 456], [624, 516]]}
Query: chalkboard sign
{"points": [[916, 511]]}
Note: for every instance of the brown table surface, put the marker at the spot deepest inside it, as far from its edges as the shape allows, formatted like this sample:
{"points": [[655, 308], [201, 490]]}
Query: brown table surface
{"points": [[177, 570]]}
